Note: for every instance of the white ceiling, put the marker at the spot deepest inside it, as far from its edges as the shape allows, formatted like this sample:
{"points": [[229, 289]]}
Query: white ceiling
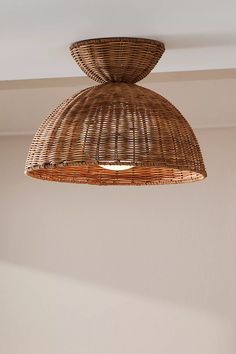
{"points": [[197, 72], [35, 35]]}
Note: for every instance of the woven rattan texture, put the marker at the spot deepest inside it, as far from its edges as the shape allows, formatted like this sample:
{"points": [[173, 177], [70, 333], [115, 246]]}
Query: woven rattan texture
{"points": [[116, 123], [117, 59]]}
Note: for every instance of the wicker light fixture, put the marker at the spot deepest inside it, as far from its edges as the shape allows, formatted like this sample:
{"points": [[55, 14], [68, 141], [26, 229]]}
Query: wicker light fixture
{"points": [[116, 133]]}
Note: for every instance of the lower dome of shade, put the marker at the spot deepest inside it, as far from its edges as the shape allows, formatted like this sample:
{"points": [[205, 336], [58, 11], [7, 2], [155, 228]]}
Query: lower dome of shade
{"points": [[116, 124]]}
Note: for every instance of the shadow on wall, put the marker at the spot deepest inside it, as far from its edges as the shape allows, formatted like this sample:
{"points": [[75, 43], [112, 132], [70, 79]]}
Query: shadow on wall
{"points": [[172, 242]]}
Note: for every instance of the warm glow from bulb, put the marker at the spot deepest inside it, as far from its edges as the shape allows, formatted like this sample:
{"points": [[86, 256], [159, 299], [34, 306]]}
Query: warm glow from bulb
{"points": [[116, 167]]}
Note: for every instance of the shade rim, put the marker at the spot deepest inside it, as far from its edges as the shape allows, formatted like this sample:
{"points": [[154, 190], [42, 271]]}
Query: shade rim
{"points": [[45, 172], [49, 165]]}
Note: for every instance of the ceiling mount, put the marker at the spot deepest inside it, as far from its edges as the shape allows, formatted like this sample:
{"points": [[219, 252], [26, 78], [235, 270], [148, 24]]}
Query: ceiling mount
{"points": [[122, 59], [116, 133]]}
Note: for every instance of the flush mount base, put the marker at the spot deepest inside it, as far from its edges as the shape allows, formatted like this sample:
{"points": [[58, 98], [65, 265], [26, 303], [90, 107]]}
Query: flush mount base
{"points": [[117, 59]]}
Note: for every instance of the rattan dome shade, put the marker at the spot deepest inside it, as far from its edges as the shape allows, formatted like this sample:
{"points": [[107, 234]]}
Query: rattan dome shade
{"points": [[116, 123]]}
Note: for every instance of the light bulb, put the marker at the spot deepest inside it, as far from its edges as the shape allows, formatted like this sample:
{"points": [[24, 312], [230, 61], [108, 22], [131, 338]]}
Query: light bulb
{"points": [[116, 167]]}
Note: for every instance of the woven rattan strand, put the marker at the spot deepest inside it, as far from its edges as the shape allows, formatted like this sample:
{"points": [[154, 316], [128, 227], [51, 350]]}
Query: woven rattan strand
{"points": [[116, 123], [117, 59]]}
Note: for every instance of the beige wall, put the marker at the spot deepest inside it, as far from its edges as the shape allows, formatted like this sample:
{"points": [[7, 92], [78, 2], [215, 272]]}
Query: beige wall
{"points": [[119, 270]]}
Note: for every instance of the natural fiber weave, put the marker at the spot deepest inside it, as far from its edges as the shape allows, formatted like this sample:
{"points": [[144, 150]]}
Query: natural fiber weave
{"points": [[117, 59], [116, 124]]}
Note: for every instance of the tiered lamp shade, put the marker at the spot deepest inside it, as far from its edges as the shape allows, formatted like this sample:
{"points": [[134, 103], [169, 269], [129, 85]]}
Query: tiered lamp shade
{"points": [[116, 133]]}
